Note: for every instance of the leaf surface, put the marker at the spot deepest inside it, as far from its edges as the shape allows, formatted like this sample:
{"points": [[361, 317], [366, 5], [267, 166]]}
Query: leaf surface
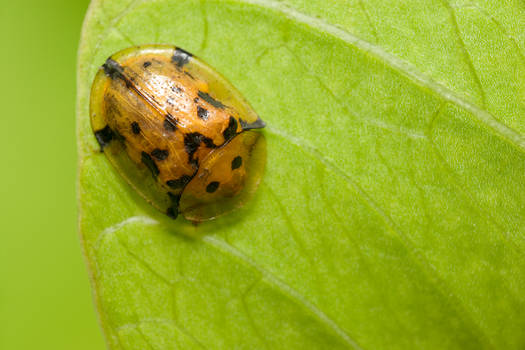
{"points": [[391, 214]]}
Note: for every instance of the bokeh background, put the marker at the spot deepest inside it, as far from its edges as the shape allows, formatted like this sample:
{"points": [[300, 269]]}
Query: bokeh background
{"points": [[45, 298]]}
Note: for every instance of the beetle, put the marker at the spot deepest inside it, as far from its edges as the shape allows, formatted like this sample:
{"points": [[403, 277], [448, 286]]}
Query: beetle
{"points": [[177, 131]]}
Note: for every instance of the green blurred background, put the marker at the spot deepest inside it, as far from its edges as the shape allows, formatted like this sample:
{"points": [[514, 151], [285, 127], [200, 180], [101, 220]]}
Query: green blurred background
{"points": [[45, 298]]}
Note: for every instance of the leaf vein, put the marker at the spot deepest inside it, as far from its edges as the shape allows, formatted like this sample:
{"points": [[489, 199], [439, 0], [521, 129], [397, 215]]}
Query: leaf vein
{"points": [[500, 26], [462, 187], [465, 52], [205, 25], [289, 223], [364, 262], [368, 19], [248, 313], [146, 339], [116, 227]]}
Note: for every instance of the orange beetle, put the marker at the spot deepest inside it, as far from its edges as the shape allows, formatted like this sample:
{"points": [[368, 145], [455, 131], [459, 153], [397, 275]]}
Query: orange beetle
{"points": [[177, 131]]}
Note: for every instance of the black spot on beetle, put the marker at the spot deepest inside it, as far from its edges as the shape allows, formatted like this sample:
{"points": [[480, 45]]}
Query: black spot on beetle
{"points": [[208, 142], [196, 100], [176, 89], [236, 162], [212, 187], [135, 128], [172, 212], [194, 163], [192, 142], [175, 198], [146, 64], [231, 130], [180, 182], [160, 154], [202, 113], [181, 57], [170, 124], [258, 124], [104, 136], [113, 69], [150, 164], [206, 97]]}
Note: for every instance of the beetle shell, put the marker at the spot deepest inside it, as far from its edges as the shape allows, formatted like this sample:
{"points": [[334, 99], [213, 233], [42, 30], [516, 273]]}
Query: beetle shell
{"points": [[179, 133]]}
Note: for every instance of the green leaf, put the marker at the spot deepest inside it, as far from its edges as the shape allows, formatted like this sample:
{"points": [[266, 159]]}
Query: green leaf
{"points": [[392, 212]]}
